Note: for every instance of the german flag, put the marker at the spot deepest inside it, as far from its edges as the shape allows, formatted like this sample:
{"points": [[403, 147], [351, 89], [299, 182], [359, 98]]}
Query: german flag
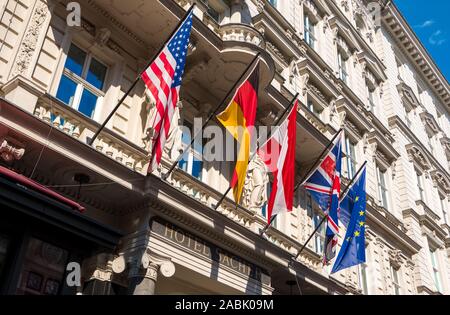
{"points": [[239, 119]]}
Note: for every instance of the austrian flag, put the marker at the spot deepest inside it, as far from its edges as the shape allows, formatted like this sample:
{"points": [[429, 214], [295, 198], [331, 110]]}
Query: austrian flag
{"points": [[278, 153]]}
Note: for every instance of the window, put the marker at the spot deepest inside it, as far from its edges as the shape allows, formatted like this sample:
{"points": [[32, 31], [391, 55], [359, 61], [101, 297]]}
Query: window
{"points": [[350, 148], [431, 144], [363, 278], [310, 37], [342, 64], [408, 120], [382, 188], [192, 161], [435, 266], [314, 109], [211, 11], [395, 280], [82, 82], [319, 237], [420, 187], [399, 67], [371, 98], [444, 209]]}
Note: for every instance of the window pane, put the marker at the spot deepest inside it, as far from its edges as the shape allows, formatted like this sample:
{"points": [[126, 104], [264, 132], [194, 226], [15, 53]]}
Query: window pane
{"points": [[87, 103], [96, 74], [75, 60], [364, 286], [197, 167], [382, 179], [66, 90], [183, 164]]}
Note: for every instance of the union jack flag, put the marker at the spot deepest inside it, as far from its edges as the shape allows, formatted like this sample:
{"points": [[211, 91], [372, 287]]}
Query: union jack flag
{"points": [[163, 79], [324, 185]]}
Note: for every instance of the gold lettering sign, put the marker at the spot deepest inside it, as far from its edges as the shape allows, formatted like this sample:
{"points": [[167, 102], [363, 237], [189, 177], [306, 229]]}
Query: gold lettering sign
{"points": [[208, 250]]}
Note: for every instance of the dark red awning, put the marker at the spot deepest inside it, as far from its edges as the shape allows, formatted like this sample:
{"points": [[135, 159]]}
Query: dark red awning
{"points": [[31, 184]]}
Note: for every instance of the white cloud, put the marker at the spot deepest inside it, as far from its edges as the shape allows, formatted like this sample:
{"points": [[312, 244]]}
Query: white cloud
{"points": [[427, 23], [437, 39]]}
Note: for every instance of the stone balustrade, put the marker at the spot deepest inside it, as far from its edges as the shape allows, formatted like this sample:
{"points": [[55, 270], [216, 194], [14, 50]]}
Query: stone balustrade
{"points": [[207, 196], [80, 127], [313, 119], [241, 33]]}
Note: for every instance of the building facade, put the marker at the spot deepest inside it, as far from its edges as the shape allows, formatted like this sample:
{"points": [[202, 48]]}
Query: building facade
{"points": [[356, 65]]}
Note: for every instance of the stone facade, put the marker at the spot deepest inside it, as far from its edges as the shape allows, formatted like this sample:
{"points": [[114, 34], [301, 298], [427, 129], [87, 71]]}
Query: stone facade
{"points": [[356, 64]]}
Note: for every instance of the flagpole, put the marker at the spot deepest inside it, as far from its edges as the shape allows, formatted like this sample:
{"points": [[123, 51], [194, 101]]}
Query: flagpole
{"points": [[320, 159], [139, 77], [256, 152], [353, 180], [211, 116], [326, 217]]}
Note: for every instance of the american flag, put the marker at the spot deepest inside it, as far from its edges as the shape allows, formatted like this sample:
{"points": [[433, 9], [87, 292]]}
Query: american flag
{"points": [[324, 185], [163, 79]]}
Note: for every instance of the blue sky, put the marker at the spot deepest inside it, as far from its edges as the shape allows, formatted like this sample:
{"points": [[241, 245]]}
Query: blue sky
{"points": [[430, 21]]}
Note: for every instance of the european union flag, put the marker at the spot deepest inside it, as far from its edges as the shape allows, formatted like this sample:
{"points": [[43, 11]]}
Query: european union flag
{"points": [[353, 251]]}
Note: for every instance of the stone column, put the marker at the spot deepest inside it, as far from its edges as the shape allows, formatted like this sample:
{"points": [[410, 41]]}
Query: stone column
{"points": [[144, 274], [143, 282], [97, 273]]}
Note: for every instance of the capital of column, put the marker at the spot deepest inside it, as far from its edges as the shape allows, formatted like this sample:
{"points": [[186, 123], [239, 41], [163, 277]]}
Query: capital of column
{"points": [[150, 264]]}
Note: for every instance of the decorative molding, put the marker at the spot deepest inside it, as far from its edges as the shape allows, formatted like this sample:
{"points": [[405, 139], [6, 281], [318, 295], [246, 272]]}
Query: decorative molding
{"points": [[29, 42], [417, 155], [395, 257], [116, 23], [11, 150], [441, 180], [431, 125], [409, 99]]}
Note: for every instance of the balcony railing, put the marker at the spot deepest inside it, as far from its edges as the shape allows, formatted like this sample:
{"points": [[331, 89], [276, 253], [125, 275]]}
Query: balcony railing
{"points": [[81, 127], [241, 33]]}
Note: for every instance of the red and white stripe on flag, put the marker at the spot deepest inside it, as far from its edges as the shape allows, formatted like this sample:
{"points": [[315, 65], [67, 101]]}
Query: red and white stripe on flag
{"points": [[158, 79], [278, 153], [163, 80]]}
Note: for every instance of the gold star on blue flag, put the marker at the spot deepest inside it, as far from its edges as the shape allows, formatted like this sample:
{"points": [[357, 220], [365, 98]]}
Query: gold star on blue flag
{"points": [[353, 250]]}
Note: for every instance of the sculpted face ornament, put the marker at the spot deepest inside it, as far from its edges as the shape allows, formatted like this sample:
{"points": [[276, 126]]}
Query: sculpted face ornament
{"points": [[255, 188]]}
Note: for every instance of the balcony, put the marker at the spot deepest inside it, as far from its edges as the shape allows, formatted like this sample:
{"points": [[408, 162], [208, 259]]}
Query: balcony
{"points": [[81, 127], [241, 33]]}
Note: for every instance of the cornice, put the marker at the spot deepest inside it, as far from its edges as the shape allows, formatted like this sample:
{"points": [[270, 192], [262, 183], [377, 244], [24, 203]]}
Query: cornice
{"points": [[445, 141], [431, 125], [425, 289], [427, 220], [116, 23], [361, 42], [395, 121], [418, 156], [390, 225], [383, 144], [441, 181], [408, 40]]}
